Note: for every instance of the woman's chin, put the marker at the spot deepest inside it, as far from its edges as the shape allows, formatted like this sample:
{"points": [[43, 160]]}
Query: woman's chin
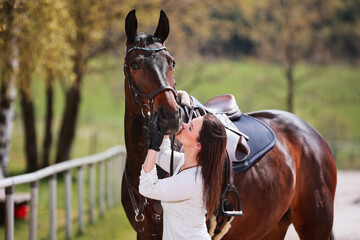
{"points": [[178, 137]]}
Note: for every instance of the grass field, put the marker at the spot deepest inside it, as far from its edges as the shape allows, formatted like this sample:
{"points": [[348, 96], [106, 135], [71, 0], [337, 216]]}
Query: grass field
{"points": [[327, 97]]}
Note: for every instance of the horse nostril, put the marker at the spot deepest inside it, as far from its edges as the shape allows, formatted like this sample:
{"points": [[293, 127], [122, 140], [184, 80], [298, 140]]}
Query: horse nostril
{"points": [[162, 113]]}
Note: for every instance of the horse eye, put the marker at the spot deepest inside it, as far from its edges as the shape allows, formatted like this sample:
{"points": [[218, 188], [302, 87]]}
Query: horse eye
{"points": [[173, 63], [135, 66]]}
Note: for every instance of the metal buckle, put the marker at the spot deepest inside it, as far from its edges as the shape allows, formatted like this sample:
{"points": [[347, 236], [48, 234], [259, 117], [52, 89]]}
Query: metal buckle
{"points": [[137, 219], [148, 113]]}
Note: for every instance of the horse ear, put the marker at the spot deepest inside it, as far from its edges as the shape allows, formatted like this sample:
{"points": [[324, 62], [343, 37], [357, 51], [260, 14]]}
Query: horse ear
{"points": [[163, 28], [131, 25]]}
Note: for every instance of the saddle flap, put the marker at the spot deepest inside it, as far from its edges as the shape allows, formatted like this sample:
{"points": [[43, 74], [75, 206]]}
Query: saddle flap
{"points": [[236, 147], [236, 142]]}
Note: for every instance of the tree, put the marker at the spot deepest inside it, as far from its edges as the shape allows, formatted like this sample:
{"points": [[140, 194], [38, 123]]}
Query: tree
{"points": [[93, 28], [55, 61], [284, 30], [344, 29], [27, 14], [8, 66], [42, 42]]}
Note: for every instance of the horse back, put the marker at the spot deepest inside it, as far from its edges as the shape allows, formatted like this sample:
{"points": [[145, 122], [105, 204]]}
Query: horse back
{"points": [[309, 150]]}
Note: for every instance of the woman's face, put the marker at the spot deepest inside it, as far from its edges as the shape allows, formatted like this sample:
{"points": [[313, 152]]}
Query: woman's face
{"points": [[189, 133]]}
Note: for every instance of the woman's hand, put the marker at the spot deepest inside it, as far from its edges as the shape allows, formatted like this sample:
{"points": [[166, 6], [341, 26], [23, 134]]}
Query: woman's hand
{"points": [[156, 132]]}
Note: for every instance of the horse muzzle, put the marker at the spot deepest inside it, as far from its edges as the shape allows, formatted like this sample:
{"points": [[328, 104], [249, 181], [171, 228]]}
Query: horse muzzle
{"points": [[171, 119]]}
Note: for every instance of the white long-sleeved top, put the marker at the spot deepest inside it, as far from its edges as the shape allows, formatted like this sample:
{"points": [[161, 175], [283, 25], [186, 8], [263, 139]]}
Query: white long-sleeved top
{"points": [[181, 197]]}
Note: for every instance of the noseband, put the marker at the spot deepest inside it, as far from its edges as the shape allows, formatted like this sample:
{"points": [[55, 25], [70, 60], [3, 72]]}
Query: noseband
{"points": [[136, 95]]}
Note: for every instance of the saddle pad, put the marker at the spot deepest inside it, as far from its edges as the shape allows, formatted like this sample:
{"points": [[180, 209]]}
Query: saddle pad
{"points": [[261, 140]]}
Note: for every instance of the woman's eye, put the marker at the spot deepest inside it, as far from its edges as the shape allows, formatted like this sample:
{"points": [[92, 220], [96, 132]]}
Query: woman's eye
{"points": [[135, 66]]}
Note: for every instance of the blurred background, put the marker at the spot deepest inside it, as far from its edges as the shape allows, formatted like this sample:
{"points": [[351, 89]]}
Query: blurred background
{"points": [[62, 81]]}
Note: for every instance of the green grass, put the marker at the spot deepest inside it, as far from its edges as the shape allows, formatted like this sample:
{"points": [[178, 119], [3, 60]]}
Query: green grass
{"points": [[327, 97]]}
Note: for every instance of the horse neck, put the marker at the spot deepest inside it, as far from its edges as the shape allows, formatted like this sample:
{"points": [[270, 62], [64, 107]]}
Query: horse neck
{"points": [[134, 141]]}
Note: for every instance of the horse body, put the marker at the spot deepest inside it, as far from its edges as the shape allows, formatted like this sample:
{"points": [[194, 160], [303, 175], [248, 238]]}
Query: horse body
{"points": [[293, 183]]}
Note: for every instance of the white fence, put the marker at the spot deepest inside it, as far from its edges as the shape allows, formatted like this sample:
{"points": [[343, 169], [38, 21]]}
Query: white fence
{"points": [[110, 165]]}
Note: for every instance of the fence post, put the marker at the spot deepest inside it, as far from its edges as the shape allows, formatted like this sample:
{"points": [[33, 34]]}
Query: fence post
{"points": [[101, 189], [118, 180], [53, 193], [91, 193], [122, 158], [9, 231], [108, 183], [81, 198], [33, 209], [68, 197]]}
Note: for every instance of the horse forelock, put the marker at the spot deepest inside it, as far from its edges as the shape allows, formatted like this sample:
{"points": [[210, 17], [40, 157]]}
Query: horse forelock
{"points": [[144, 39]]}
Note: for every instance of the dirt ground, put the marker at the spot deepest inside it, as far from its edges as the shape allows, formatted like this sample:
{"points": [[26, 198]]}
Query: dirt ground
{"points": [[347, 208]]}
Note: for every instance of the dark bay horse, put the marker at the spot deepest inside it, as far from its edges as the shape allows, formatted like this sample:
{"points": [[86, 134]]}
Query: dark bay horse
{"points": [[292, 184]]}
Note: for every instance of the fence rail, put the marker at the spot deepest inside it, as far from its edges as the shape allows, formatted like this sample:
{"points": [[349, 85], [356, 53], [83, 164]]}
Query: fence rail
{"points": [[110, 163]]}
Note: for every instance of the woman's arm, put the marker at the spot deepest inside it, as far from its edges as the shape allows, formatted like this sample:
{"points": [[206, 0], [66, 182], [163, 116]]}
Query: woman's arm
{"points": [[150, 159], [176, 188]]}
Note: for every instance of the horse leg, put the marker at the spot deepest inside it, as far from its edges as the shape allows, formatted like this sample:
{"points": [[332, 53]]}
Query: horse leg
{"points": [[279, 232], [316, 224], [312, 210]]}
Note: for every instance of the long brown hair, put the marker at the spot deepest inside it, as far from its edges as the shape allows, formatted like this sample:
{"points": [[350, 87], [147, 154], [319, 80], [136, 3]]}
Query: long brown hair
{"points": [[211, 157]]}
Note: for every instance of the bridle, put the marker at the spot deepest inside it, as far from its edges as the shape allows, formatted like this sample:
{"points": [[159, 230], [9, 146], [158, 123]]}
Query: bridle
{"points": [[136, 95]]}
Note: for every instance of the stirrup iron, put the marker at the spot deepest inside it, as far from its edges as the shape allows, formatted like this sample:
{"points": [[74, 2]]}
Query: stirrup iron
{"points": [[231, 188]]}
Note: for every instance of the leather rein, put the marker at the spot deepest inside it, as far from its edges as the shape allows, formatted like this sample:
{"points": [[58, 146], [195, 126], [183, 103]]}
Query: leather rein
{"points": [[136, 96]]}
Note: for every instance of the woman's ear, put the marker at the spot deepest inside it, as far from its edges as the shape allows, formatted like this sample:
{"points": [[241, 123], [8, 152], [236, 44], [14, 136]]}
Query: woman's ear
{"points": [[198, 146]]}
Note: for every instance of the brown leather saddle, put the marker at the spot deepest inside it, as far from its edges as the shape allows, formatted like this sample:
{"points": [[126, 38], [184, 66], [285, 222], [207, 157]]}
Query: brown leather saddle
{"points": [[225, 108]]}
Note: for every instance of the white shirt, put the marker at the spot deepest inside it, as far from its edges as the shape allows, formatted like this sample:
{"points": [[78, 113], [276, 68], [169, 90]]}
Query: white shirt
{"points": [[181, 197]]}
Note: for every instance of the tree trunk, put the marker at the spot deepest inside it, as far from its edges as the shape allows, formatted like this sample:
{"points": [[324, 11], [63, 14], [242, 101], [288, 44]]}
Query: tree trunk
{"points": [[290, 61], [68, 125], [28, 112], [290, 88], [8, 79], [48, 119]]}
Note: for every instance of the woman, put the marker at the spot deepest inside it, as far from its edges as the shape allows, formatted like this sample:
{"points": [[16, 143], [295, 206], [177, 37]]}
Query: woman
{"points": [[195, 187]]}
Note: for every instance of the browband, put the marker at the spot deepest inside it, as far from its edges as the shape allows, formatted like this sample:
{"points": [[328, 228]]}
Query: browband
{"points": [[145, 49]]}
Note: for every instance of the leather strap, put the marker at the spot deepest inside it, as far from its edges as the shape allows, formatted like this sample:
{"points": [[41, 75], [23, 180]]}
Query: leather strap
{"points": [[139, 215]]}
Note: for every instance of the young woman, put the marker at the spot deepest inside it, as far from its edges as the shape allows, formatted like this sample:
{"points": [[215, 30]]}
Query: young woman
{"points": [[193, 192]]}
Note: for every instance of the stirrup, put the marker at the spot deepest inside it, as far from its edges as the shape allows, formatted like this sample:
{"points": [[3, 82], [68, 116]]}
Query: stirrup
{"points": [[230, 188]]}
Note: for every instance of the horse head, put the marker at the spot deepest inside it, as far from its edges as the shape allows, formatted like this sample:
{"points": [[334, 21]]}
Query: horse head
{"points": [[149, 72]]}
